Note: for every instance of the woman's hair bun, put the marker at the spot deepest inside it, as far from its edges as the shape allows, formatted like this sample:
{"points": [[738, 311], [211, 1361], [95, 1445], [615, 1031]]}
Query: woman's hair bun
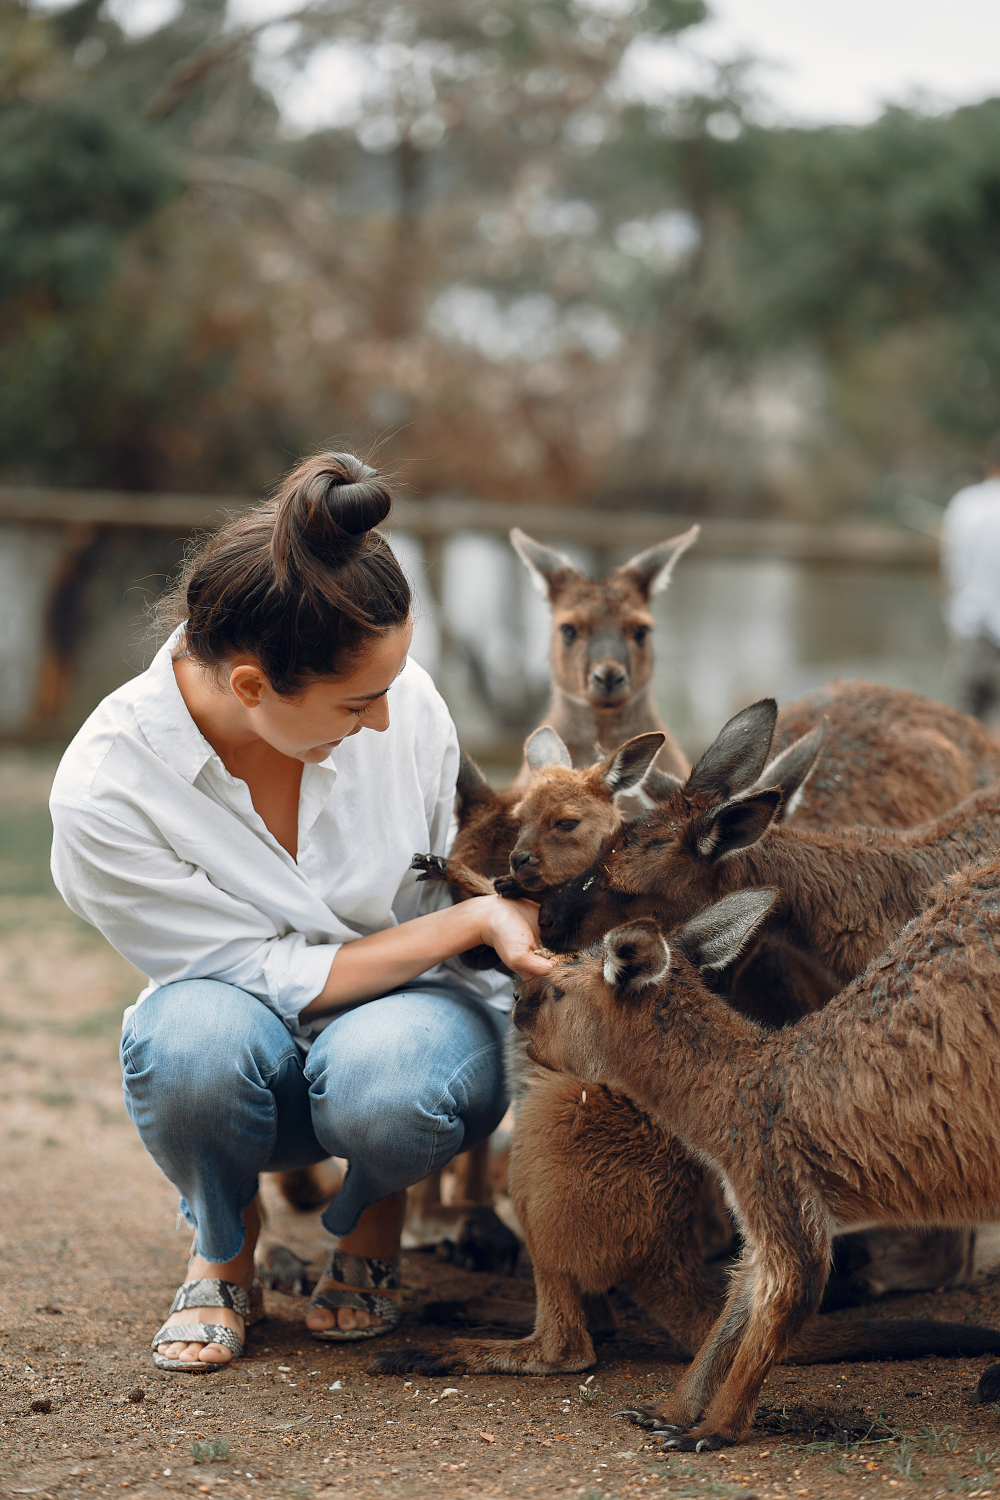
{"points": [[345, 492], [325, 508]]}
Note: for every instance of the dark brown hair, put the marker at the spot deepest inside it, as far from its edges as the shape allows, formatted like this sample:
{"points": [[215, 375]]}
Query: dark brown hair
{"points": [[301, 583]]}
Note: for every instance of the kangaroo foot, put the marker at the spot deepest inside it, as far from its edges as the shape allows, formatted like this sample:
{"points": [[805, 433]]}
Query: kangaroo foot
{"points": [[281, 1270], [489, 1357], [639, 1416], [988, 1389], [699, 1442], [415, 1361]]}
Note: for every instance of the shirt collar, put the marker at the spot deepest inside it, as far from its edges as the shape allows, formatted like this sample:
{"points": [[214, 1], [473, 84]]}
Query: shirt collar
{"points": [[164, 718]]}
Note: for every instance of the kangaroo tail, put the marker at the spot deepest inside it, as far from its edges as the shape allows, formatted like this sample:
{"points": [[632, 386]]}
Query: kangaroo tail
{"points": [[825, 1341]]}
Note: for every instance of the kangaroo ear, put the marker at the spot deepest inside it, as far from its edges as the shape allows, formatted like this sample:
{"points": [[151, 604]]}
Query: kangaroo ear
{"points": [[650, 570], [550, 571], [635, 956], [717, 935], [737, 755], [736, 824], [626, 766], [793, 767], [471, 788], [545, 748]]}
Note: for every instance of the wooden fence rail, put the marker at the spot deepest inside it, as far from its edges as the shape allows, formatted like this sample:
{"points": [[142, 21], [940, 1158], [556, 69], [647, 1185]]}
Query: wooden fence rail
{"points": [[74, 564], [852, 541]]}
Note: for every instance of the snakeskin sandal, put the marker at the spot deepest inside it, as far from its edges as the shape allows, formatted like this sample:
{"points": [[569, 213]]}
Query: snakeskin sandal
{"points": [[208, 1292], [358, 1270]]}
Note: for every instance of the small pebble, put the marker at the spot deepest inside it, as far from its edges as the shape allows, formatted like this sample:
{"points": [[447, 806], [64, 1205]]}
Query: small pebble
{"points": [[42, 1403], [137, 1393]]}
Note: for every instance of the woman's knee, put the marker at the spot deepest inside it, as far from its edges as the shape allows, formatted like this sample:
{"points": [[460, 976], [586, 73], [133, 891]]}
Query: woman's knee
{"points": [[381, 1089], [197, 1044]]}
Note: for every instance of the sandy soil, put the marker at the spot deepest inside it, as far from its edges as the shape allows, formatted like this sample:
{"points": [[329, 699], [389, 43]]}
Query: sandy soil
{"points": [[92, 1252]]}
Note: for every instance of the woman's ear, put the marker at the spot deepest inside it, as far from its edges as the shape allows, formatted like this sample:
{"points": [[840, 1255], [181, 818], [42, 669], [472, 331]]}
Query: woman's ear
{"points": [[248, 683]]}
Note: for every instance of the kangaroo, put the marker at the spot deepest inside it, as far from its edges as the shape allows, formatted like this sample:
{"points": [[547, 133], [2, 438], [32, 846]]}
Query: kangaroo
{"points": [[902, 757], [630, 1216], [843, 893], [602, 654], [880, 762], [881, 1109]]}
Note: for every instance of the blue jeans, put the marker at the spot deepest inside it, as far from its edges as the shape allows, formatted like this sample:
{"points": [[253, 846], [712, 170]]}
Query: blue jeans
{"points": [[218, 1092]]}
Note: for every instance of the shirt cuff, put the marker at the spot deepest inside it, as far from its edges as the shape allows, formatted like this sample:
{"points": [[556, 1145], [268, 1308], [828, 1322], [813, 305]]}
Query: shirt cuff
{"points": [[295, 972]]}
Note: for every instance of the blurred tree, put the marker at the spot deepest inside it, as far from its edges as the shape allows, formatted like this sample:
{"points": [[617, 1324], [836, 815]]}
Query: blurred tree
{"points": [[513, 278]]}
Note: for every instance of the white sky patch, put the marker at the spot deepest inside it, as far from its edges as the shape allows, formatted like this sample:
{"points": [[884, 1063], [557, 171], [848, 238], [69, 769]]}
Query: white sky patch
{"points": [[828, 60], [135, 17], [329, 92], [528, 328], [842, 61], [141, 17]]}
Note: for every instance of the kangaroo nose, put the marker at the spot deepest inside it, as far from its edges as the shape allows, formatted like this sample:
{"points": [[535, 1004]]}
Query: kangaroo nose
{"points": [[519, 858], [609, 678]]}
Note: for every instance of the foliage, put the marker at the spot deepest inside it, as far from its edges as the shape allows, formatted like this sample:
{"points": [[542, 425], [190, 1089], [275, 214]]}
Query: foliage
{"points": [[510, 277]]}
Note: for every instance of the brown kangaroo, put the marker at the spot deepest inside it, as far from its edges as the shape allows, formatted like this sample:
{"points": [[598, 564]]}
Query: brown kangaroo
{"points": [[880, 762], [881, 1109], [902, 757], [843, 893], [629, 1217], [602, 654]]}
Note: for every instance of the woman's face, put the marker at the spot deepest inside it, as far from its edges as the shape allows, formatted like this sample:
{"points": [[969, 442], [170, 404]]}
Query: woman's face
{"points": [[308, 726]]}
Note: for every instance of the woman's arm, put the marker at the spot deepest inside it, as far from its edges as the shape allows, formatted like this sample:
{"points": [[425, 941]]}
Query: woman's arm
{"points": [[383, 960]]}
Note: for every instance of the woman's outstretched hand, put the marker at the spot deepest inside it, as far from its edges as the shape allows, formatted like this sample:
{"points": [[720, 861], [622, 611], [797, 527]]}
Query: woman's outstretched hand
{"points": [[511, 927]]}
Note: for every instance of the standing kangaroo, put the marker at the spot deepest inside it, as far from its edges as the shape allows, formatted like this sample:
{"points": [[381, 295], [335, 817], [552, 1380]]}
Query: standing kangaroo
{"points": [[602, 654], [880, 1109]]}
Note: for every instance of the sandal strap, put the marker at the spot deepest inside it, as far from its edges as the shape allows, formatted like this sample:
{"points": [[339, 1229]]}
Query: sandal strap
{"points": [[199, 1333], [210, 1292], [363, 1270], [369, 1302]]}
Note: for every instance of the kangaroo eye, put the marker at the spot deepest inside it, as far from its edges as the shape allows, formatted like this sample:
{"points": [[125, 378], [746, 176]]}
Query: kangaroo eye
{"points": [[641, 634], [566, 825], [568, 633]]}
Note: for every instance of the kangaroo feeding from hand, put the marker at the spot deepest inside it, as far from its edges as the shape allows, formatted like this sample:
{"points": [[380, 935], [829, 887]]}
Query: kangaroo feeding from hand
{"points": [[880, 1109], [843, 893]]}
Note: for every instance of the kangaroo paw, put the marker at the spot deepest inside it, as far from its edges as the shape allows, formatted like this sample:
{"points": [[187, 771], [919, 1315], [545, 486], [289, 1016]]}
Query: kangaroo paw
{"points": [[648, 1420], [414, 1361], [988, 1389], [431, 866], [506, 885], [692, 1443], [281, 1270]]}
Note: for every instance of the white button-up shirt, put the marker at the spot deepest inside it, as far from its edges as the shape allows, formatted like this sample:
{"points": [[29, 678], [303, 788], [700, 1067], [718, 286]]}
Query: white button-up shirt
{"points": [[970, 535], [160, 848]]}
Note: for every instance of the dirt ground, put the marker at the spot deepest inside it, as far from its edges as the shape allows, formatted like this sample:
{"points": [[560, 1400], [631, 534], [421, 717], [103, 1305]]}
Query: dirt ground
{"points": [[92, 1252]]}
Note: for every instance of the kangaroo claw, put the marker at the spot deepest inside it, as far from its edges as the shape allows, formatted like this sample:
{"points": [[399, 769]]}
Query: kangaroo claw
{"points": [[430, 866], [670, 1443], [709, 1444], [648, 1420]]}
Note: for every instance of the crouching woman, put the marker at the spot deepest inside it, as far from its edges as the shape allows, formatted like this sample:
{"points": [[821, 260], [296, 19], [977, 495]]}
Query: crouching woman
{"points": [[239, 822]]}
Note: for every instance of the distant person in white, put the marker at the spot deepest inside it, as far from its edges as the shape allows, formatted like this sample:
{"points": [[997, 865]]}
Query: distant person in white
{"points": [[971, 562], [223, 820]]}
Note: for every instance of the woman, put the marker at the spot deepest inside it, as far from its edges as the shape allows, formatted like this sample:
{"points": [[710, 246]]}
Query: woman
{"points": [[223, 820]]}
